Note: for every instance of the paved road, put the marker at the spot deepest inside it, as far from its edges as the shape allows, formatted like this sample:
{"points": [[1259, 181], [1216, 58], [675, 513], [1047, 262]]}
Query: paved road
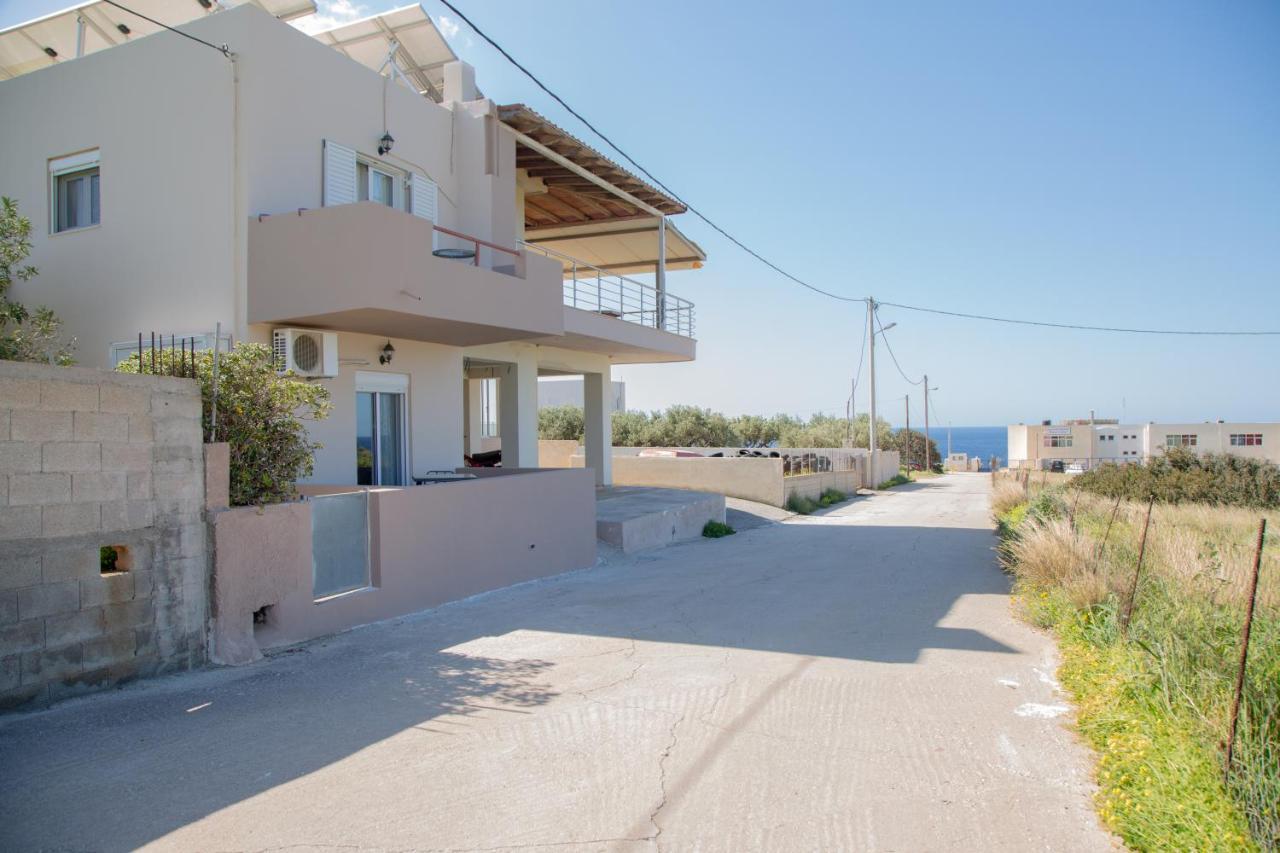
{"points": [[853, 681]]}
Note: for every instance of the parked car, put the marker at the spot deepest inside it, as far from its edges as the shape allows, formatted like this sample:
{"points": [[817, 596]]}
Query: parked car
{"points": [[1075, 468], [1056, 466]]}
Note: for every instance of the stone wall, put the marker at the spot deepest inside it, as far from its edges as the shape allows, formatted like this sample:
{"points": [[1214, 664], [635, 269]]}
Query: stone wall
{"points": [[88, 459]]}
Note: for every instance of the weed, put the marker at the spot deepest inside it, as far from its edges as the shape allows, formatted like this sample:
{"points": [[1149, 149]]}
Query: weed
{"points": [[830, 497], [895, 480], [716, 529], [800, 504]]}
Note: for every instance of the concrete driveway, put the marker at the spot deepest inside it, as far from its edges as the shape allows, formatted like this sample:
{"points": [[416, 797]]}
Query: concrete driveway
{"points": [[853, 681]]}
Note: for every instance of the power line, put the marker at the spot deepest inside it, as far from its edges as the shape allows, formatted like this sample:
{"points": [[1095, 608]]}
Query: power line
{"points": [[862, 355], [1073, 326], [559, 100], [695, 211], [892, 356], [223, 49]]}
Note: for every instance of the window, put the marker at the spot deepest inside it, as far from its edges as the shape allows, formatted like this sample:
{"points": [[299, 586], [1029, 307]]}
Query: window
{"points": [[1057, 441], [381, 428], [74, 191], [488, 408], [1180, 440], [1246, 439], [375, 182]]}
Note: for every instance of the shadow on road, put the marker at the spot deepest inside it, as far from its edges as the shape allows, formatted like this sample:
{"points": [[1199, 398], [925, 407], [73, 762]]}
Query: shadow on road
{"points": [[127, 768]]}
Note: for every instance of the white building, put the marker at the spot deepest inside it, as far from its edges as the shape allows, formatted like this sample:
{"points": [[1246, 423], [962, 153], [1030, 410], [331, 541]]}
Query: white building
{"points": [[350, 195], [568, 391], [1089, 442]]}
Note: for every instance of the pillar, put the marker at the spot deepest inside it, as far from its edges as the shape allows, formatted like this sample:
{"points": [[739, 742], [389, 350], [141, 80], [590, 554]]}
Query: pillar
{"points": [[518, 412], [598, 437]]}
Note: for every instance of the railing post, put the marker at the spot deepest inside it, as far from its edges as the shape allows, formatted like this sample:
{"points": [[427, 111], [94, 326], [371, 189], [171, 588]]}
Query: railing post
{"points": [[575, 284]]}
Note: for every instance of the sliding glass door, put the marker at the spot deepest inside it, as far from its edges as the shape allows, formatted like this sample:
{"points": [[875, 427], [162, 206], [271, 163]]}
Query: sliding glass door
{"points": [[381, 452]]}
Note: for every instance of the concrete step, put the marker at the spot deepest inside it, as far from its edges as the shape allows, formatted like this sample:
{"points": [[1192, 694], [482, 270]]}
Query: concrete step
{"points": [[637, 519]]}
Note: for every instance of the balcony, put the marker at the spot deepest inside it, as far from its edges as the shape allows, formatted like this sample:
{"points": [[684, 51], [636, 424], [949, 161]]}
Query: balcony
{"points": [[626, 318], [367, 268]]}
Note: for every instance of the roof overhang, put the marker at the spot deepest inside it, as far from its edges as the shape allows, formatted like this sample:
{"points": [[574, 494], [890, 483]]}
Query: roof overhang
{"points": [[406, 36], [626, 246], [94, 25]]}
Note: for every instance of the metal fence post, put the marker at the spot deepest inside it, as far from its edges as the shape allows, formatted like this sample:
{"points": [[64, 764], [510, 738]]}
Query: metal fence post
{"points": [[1244, 646], [1137, 572]]}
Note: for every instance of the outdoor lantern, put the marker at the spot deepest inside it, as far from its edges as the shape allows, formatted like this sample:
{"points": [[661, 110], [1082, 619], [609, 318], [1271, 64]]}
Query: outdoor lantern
{"points": [[385, 143], [387, 352]]}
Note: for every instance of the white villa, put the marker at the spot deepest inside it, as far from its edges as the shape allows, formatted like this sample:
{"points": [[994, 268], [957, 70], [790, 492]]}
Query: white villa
{"points": [[349, 196], [1087, 442]]}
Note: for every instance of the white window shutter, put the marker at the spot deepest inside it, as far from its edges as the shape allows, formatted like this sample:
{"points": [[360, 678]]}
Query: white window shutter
{"points": [[339, 174], [424, 197]]}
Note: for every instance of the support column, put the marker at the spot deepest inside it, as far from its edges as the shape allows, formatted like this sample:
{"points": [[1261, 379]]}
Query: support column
{"points": [[518, 413], [598, 436]]}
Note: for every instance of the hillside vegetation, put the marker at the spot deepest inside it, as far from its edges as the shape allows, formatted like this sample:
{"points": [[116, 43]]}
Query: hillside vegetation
{"points": [[1155, 702]]}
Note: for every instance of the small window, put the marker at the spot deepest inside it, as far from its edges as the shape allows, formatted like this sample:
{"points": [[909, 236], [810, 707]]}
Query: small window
{"points": [[75, 191], [114, 559]]}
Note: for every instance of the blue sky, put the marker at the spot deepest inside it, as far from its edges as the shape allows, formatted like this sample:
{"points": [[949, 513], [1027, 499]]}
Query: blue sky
{"points": [[1094, 162]]}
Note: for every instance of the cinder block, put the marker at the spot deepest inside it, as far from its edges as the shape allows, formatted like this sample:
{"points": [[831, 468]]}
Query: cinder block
{"points": [[143, 583], [39, 489], [127, 614], [106, 589], [176, 459], [139, 486], [5, 417], [19, 393], [74, 627], [71, 519], [127, 515], [50, 599], [52, 664], [22, 637], [32, 695], [165, 404], [96, 679], [183, 487], [10, 672], [96, 426], [140, 429], [187, 540], [125, 400], [99, 487], [72, 456], [19, 571], [19, 522], [190, 571], [177, 431], [126, 457], [8, 607], [19, 457], [115, 647], [71, 564], [38, 425], [62, 396], [170, 512]]}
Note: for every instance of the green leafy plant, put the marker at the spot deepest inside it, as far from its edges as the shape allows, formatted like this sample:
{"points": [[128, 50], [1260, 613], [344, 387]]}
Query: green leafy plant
{"points": [[561, 423], [716, 530], [802, 505], [25, 335], [261, 415], [895, 480], [830, 497]]}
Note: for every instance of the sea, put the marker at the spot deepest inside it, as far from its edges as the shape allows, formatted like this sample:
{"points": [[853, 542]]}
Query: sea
{"points": [[980, 441]]}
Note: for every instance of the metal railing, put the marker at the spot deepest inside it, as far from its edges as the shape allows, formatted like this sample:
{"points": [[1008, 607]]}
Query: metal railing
{"points": [[593, 289]]}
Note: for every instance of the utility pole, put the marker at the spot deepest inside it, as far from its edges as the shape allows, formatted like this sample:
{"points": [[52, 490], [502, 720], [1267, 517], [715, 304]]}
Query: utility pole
{"points": [[908, 448], [927, 461], [871, 359]]}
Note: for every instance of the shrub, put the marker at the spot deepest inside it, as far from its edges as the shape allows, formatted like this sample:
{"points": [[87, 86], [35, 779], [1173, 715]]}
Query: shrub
{"points": [[261, 416], [25, 335], [716, 530], [564, 423], [1180, 475], [831, 497], [1006, 495], [895, 480], [799, 504]]}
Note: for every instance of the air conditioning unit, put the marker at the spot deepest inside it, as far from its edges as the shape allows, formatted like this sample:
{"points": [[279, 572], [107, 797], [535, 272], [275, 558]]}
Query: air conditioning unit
{"points": [[306, 352]]}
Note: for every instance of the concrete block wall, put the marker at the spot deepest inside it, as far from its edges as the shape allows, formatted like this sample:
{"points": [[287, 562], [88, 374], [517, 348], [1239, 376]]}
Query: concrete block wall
{"points": [[92, 458]]}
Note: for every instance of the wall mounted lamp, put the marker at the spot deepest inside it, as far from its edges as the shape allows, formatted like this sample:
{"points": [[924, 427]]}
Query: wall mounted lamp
{"points": [[387, 352]]}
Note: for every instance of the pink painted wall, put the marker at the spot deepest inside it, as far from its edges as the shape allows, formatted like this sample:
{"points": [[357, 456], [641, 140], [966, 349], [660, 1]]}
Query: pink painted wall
{"points": [[428, 545]]}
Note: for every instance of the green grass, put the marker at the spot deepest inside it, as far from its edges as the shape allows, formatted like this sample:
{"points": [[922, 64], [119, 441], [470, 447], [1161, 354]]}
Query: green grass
{"points": [[716, 530], [830, 497], [895, 480], [1154, 705], [802, 505]]}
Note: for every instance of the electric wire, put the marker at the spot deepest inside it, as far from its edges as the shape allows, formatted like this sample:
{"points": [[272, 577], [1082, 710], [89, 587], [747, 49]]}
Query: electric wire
{"points": [[559, 100], [842, 298], [223, 49], [894, 357]]}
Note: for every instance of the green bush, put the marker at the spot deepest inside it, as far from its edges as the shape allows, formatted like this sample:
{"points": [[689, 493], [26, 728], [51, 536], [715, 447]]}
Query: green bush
{"points": [[563, 423], [895, 480], [716, 530], [261, 416], [1182, 476], [25, 335], [831, 497]]}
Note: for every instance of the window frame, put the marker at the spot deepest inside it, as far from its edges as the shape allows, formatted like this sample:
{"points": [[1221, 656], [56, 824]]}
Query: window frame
{"points": [[400, 199], [61, 171]]}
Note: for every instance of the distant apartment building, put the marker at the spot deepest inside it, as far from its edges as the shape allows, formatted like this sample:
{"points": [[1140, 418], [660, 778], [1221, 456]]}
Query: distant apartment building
{"points": [[1085, 443]]}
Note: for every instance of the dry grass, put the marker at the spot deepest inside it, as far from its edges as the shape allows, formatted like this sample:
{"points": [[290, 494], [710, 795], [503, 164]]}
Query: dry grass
{"points": [[1006, 495], [1051, 554]]}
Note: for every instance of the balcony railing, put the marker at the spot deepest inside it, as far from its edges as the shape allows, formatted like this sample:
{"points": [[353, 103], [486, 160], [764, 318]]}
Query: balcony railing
{"points": [[592, 289]]}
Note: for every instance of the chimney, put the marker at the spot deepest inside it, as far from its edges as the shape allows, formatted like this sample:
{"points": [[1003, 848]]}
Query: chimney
{"points": [[459, 82]]}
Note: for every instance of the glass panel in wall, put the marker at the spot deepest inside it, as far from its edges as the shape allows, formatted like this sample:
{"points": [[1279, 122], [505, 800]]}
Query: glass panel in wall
{"points": [[391, 439], [339, 543]]}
